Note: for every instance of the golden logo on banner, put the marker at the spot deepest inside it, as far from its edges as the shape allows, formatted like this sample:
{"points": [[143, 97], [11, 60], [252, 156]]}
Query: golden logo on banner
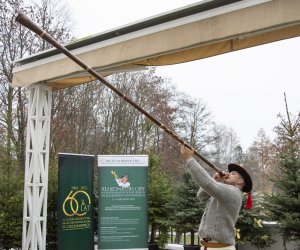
{"points": [[77, 203]]}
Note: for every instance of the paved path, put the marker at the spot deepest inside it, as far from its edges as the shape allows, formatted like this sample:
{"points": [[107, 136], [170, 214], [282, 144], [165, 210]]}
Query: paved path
{"points": [[174, 247], [168, 247]]}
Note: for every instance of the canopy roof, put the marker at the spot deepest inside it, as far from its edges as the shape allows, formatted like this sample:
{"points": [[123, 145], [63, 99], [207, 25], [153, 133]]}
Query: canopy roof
{"points": [[197, 31]]}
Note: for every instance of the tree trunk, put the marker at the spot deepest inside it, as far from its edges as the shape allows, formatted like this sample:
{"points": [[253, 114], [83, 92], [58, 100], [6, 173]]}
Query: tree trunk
{"points": [[192, 238], [152, 235], [178, 237]]}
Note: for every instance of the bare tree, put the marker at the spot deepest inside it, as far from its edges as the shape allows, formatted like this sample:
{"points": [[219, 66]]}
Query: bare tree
{"points": [[261, 158], [195, 122], [75, 125], [17, 42], [125, 129], [225, 147]]}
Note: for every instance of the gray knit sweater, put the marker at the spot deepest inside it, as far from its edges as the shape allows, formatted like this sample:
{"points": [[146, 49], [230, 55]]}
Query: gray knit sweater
{"points": [[223, 205]]}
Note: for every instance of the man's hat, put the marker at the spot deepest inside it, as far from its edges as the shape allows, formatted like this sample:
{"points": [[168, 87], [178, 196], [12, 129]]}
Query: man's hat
{"points": [[248, 181]]}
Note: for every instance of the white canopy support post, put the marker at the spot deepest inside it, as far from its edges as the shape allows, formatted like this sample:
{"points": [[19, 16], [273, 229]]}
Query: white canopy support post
{"points": [[36, 167]]}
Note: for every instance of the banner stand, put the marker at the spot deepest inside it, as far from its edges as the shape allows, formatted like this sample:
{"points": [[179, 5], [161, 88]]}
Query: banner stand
{"points": [[123, 202], [75, 202]]}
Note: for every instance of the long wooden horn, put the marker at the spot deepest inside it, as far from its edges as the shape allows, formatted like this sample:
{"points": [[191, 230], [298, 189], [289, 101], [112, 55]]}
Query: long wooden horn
{"points": [[28, 23]]}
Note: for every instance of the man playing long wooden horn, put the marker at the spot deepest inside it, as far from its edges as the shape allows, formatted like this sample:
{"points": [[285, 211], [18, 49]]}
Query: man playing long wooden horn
{"points": [[223, 195]]}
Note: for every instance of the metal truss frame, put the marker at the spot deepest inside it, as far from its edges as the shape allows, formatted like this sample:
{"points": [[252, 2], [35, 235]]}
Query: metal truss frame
{"points": [[36, 167]]}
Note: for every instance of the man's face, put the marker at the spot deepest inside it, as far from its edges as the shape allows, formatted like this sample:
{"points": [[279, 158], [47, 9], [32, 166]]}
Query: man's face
{"points": [[124, 179], [233, 178]]}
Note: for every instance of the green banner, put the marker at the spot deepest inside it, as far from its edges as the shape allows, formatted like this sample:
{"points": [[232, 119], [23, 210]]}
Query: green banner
{"points": [[123, 202], [75, 202]]}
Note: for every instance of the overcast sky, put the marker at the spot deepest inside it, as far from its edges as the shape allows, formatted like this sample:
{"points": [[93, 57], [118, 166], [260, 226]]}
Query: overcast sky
{"points": [[244, 90]]}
